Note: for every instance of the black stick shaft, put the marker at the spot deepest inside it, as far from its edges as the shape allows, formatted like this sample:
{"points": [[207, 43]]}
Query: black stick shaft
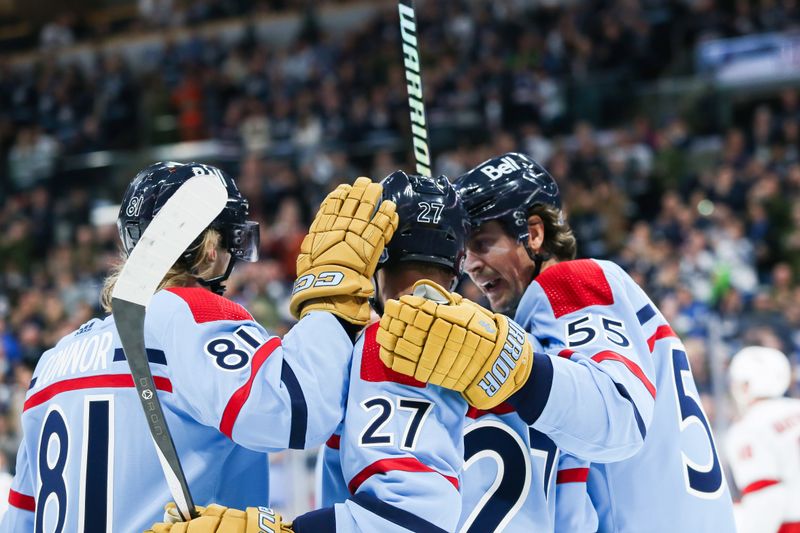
{"points": [[416, 101], [129, 319]]}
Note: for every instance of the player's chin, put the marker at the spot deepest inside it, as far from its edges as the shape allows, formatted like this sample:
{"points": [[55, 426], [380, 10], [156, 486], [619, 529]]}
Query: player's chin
{"points": [[498, 301]]}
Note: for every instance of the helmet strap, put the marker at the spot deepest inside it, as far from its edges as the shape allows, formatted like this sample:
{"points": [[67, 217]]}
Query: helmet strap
{"points": [[215, 284], [375, 301], [537, 258]]}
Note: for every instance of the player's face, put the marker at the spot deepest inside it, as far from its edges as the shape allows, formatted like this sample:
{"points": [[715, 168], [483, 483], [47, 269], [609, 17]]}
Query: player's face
{"points": [[220, 259], [499, 265]]}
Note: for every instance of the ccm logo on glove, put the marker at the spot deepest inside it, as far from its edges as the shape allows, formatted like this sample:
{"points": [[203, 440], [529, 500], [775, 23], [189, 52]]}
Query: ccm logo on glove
{"points": [[325, 279], [506, 361], [268, 521]]}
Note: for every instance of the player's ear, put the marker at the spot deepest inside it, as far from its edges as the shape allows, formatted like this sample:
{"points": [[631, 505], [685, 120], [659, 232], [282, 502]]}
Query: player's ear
{"points": [[535, 233], [212, 254]]}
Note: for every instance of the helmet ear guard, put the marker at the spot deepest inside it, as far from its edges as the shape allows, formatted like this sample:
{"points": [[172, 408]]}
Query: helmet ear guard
{"points": [[242, 240]]}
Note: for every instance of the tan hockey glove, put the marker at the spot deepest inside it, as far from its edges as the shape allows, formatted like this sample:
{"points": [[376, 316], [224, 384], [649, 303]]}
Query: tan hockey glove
{"points": [[219, 519], [443, 339], [338, 256]]}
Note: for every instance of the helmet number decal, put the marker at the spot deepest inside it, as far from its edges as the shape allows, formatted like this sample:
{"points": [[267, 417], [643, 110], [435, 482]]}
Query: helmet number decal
{"points": [[430, 212], [134, 206]]}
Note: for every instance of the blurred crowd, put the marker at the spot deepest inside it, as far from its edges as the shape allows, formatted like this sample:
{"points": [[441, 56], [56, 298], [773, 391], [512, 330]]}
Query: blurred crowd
{"points": [[705, 217]]}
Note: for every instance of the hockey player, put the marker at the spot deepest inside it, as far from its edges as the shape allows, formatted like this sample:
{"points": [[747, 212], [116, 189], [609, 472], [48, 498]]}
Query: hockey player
{"points": [[230, 391], [674, 481], [763, 448], [394, 463], [597, 398]]}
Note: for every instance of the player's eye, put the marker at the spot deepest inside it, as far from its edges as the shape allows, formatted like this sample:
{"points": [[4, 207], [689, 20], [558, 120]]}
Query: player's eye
{"points": [[479, 246]]}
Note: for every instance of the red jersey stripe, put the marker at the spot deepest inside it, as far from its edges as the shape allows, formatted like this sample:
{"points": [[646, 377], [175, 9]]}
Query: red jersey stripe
{"points": [[572, 475], [789, 527], [566, 353], [90, 382], [21, 501], [756, 486], [662, 332], [608, 355], [334, 442], [502, 409], [240, 396], [402, 464]]}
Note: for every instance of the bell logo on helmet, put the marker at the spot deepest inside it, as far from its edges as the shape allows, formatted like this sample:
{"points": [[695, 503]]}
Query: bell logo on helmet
{"points": [[507, 166], [134, 206]]}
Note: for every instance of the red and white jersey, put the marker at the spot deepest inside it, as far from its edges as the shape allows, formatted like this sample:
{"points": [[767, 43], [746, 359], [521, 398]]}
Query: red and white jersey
{"points": [[763, 450]]}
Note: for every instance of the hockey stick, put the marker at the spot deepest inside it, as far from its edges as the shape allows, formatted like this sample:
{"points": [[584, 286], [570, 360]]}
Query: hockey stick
{"points": [[416, 103], [185, 215]]}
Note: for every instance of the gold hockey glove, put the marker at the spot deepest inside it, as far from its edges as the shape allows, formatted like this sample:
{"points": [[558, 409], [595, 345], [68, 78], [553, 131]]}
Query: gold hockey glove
{"points": [[219, 519], [339, 255], [444, 339]]}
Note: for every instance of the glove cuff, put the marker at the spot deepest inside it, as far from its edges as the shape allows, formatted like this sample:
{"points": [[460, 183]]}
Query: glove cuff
{"points": [[328, 281], [351, 309], [498, 381]]}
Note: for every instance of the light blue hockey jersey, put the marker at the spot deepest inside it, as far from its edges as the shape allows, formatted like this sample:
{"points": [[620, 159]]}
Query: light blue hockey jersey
{"points": [[513, 478], [623, 374], [516, 480], [230, 392], [393, 465]]}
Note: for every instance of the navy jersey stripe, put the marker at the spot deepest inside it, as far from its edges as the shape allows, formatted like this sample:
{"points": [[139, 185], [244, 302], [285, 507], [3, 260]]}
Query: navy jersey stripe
{"points": [[395, 514], [96, 511], [297, 432], [645, 314], [530, 400], [319, 521], [157, 357], [639, 422]]}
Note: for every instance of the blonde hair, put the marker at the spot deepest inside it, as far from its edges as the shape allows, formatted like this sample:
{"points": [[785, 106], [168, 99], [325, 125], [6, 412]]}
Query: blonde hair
{"points": [[180, 275]]}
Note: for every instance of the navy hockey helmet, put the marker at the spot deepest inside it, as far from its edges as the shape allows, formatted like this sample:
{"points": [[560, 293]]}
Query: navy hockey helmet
{"points": [[154, 185], [505, 188], [434, 224]]}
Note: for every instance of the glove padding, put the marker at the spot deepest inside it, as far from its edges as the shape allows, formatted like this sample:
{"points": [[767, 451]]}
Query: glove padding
{"points": [[218, 519], [339, 255], [443, 339]]}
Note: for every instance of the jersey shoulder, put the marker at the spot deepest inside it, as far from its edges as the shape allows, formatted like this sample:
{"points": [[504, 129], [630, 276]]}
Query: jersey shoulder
{"points": [[203, 305], [372, 369], [573, 285]]}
